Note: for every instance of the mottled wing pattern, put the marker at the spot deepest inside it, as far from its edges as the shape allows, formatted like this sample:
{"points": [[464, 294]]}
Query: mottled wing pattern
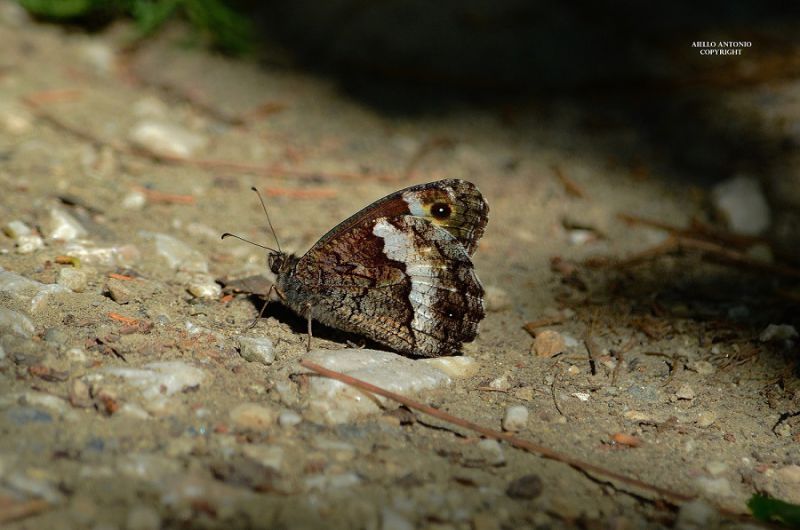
{"points": [[401, 281], [466, 222]]}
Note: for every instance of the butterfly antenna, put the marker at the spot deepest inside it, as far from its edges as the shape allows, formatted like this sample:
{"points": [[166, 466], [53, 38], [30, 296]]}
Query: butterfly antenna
{"points": [[240, 238], [269, 222]]}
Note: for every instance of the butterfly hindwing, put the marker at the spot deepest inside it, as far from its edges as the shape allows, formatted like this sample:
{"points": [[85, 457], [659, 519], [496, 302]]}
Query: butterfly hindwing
{"points": [[398, 272]]}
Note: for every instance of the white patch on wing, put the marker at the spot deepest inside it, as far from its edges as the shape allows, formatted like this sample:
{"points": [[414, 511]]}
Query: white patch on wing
{"points": [[414, 204], [399, 246]]}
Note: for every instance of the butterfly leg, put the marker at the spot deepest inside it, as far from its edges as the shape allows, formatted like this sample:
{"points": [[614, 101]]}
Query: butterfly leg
{"points": [[263, 307], [308, 316]]}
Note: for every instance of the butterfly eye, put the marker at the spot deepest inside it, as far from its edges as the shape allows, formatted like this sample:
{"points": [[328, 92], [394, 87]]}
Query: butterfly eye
{"points": [[441, 211]]}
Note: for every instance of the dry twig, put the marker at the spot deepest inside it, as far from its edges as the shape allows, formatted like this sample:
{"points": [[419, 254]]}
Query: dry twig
{"points": [[585, 467]]}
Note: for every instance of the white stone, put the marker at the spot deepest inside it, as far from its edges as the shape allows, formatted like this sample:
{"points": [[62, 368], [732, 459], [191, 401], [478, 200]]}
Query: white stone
{"points": [[163, 378], [336, 402], [99, 56], [685, 392], [493, 451], [456, 367], [257, 349], [76, 355], [701, 367], [582, 396], [73, 279], [15, 322], [204, 286], [167, 139], [16, 229], [134, 200], [15, 119], [117, 256], [29, 244], [742, 203], [515, 418], [778, 332], [716, 486], [178, 254], [64, 227], [501, 383], [332, 482], [289, 418], [271, 456], [253, 416]]}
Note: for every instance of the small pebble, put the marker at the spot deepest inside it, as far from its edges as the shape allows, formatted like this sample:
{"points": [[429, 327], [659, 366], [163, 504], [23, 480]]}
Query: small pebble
{"points": [[179, 255], [685, 392], [706, 418], [135, 200], [717, 486], [515, 418], [99, 56], [64, 227], [456, 367], [164, 138], [740, 201], [204, 286], [118, 291], [29, 244], [493, 451], [73, 279], [16, 229], [75, 355], [501, 383], [15, 119], [778, 332], [118, 256], [548, 343], [525, 487], [271, 456], [252, 416], [79, 394], [701, 367], [161, 379], [15, 322], [257, 349], [496, 298], [289, 418]]}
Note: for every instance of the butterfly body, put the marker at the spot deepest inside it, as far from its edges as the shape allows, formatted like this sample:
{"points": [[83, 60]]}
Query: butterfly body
{"points": [[398, 272]]}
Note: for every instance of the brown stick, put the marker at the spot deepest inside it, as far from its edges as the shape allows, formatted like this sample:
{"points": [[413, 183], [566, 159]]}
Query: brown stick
{"points": [[22, 510], [585, 467], [570, 186]]}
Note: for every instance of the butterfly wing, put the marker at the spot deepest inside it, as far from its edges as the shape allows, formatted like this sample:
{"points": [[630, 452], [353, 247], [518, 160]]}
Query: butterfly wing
{"points": [[401, 281], [454, 205]]}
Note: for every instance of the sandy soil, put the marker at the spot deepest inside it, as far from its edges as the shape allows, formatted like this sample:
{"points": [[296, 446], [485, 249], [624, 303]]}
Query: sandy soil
{"points": [[708, 408]]}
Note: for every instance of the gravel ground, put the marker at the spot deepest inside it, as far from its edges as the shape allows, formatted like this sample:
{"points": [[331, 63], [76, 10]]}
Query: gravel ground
{"points": [[133, 393]]}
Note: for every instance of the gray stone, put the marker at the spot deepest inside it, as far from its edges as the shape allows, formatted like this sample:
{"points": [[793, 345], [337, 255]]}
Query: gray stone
{"points": [[741, 202], [73, 279], [515, 418], [257, 349], [15, 322]]}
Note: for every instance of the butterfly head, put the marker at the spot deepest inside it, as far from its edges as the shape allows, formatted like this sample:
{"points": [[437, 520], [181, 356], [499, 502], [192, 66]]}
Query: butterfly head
{"points": [[278, 261]]}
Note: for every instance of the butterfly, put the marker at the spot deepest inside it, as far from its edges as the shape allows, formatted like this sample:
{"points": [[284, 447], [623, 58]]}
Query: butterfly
{"points": [[398, 272]]}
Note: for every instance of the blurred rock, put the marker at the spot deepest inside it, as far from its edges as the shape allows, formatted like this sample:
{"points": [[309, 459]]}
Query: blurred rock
{"points": [[257, 349], [162, 138], [63, 226], [15, 322], [73, 279], [778, 332], [549, 343], [336, 402], [252, 416], [740, 201], [496, 298], [456, 367], [515, 418]]}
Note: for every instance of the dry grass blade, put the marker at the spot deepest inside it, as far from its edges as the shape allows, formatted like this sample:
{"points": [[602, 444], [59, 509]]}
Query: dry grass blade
{"points": [[520, 443]]}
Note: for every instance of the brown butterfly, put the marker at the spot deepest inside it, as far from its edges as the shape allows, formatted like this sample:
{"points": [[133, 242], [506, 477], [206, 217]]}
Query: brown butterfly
{"points": [[397, 272]]}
